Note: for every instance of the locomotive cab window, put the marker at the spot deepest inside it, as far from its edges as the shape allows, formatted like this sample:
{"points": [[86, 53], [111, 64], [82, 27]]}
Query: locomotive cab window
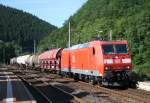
{"points": [[121, 48], [93, 51], [108, 49]]}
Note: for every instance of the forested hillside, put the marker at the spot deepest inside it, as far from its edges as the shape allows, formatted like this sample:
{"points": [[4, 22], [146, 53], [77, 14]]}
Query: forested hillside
{"points": [[18, 30], [128, 20]]}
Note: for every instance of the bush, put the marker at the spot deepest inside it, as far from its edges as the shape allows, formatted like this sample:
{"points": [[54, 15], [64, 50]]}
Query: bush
{"points": [[142, 71]]}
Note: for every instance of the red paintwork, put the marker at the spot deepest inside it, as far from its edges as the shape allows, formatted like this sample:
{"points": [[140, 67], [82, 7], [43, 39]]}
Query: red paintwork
{"points": [[84, 59]]}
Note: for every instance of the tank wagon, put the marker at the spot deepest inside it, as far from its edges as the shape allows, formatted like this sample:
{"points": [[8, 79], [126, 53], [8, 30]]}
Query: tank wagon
{"points": [[21, 60], [13, 61], [33, 61]]}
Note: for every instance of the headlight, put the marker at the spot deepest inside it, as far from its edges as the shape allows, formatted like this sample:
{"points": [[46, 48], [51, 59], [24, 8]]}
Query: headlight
{"points": [[128, 60], [108, 61]]}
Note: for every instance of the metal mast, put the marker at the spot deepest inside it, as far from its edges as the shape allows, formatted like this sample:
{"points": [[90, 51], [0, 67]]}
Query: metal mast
{"points": [[69, 36], [34, 46], [110, 35]]}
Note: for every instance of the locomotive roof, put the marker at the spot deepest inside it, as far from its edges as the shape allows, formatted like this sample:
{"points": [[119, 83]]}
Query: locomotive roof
{"points": [[78, 46], [86, 45]]}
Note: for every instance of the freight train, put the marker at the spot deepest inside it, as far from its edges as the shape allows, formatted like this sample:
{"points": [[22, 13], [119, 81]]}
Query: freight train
{"points": [[107, 63]]}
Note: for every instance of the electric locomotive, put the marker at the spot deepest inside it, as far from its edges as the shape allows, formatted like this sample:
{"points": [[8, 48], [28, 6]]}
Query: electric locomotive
{"points": [[105, 62]]}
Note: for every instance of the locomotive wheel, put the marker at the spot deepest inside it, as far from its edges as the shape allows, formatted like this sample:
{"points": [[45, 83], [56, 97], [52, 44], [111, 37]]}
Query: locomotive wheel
{"points": [[76, 77], [92, 80], [82, 77], [70, 75], [100, 83], [66, 75], [87, 79]]}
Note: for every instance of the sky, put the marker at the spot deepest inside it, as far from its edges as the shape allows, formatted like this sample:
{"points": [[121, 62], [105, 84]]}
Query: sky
{"points": [[52, 11]]}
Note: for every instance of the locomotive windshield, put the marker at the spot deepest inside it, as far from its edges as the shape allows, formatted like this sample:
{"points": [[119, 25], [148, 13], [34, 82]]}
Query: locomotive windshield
{"points": [[108, 49], [121, 49], [115, 49]]}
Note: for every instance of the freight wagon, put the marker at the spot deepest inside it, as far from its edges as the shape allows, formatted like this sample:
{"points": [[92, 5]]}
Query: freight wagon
{"points": [[50, 60]]}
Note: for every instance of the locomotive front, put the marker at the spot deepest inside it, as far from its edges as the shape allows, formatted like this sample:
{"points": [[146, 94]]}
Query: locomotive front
{"points": [[117, 63]]}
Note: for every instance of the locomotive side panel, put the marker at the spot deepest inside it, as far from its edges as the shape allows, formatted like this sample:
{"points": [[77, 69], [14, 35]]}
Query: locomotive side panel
{"points": [[81, 62], [98, 56], [65, 65]]}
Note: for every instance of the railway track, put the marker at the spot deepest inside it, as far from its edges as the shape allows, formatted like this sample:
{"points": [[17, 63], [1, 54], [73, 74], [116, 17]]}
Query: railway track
{"points": [[144, 95], [129, 95], [41, 89], [88, 93], [50, 93], [141, 93]]}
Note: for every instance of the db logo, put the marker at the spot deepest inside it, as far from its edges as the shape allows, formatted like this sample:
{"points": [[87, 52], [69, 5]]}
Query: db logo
{"points": [[73, 59]]}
